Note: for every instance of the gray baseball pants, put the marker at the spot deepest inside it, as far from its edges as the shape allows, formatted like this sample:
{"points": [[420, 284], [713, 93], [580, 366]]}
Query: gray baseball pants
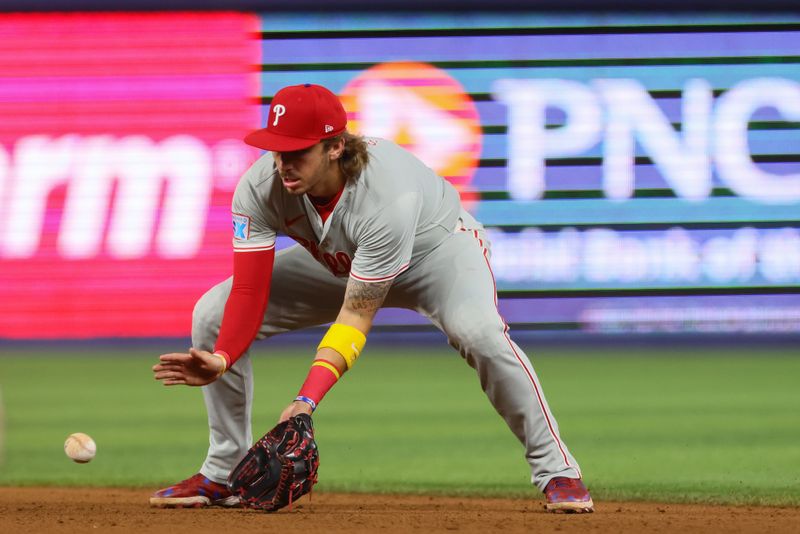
{"points": [[452, 286]]}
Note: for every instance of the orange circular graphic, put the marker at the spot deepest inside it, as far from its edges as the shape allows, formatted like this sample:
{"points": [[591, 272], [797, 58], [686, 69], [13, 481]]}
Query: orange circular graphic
{"points": [[423, 109]]}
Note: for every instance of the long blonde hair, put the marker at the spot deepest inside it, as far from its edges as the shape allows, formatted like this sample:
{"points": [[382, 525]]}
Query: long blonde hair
{"points": [[354, 158]]}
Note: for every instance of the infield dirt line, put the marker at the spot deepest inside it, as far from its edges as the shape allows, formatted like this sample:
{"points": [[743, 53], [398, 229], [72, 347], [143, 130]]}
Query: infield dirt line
{"points": [[122, 511]]}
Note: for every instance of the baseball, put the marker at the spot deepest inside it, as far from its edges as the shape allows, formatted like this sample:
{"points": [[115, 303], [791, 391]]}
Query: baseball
{"points": [[80, 447]]}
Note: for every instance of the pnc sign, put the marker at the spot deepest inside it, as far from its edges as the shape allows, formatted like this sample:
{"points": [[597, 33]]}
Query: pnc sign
{"points": [[621, 112]]}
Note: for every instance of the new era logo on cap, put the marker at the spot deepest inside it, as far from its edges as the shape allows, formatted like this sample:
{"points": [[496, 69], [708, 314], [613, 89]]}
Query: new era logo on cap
{"points": [[300, 116]]}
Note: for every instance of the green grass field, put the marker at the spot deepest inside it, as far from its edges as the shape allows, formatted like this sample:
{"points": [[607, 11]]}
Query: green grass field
{"points": [[719, 425]]}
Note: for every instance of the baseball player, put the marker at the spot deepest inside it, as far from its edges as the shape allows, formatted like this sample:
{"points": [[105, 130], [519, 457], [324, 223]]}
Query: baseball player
{"points": [[375, 227]]}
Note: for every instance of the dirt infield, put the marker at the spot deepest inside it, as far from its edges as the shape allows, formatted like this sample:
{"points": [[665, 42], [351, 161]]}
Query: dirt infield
{"points": [[121, 511]]}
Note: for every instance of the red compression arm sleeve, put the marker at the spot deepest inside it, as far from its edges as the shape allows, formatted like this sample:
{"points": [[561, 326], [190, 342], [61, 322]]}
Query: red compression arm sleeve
{"points": [[247, 303], [319, 381]]}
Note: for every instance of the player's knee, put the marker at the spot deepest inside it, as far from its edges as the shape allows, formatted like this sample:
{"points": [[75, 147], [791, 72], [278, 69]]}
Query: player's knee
{"points": [[207, 316], [476, 334], [203, 312]]}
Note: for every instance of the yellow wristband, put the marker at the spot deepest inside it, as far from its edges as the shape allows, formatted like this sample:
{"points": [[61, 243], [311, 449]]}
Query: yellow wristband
{"points": [[224, 364], [346, 340]]}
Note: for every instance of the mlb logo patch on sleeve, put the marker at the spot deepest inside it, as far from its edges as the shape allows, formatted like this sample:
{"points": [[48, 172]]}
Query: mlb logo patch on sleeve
{"points": [[241, 226]]}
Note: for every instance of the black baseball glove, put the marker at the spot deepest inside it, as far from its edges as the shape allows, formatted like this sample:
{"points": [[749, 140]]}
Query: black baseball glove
{"points": [[280, 468]]}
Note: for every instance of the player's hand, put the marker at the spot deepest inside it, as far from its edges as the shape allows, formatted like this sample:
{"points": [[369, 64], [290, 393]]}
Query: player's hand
{"points": [[197, 368], [295, 408]]}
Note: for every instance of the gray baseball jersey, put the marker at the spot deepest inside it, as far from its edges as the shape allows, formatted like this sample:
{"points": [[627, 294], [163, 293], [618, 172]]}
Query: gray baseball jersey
{"points": [[399, 221], [396, 212]]}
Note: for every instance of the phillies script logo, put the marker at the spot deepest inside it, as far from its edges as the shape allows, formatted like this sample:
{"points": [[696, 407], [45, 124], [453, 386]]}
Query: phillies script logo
{"points": [[423, 109], [338, 263]]}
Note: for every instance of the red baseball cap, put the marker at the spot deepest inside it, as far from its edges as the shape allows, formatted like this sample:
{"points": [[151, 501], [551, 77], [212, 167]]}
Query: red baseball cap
{"points": [[300, 116]]}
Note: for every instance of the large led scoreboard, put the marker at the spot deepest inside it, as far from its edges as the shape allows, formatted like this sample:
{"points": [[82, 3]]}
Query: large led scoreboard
{"points": [[636, 173]]}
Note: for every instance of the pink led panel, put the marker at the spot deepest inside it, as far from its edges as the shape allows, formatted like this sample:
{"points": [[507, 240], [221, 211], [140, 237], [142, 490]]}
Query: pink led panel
{"points": [[120, 145]]}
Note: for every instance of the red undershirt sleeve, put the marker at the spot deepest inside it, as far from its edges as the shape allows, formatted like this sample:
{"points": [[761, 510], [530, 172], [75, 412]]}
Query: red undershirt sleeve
{"points": [[247, 303]]}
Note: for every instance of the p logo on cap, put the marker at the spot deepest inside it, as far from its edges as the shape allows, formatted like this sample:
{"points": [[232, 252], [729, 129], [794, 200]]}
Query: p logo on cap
{"points": [[279, 111]]}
